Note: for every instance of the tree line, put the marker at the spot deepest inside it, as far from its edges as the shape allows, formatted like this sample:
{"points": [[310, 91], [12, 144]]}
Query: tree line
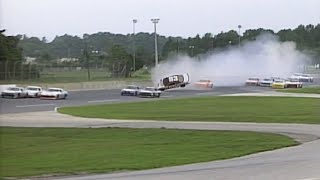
{"points": [[109, 48]]}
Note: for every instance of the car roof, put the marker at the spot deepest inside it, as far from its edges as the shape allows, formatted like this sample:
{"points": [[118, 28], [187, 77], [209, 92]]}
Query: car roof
{"points": [[33, 87]]}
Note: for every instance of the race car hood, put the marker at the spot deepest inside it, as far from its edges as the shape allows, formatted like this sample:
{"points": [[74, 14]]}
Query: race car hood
{"points": [[49, 93], [11, 92], [131, 90]]}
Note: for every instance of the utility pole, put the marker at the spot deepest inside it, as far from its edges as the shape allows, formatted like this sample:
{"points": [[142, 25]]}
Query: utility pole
{"points": [[134, 46], [239, 26], [86, 54], [155, 21]]}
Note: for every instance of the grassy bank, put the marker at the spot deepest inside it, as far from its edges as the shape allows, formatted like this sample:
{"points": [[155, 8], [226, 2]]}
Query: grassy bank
{"points": [[37, 151], [236, 109], [312, 90]]}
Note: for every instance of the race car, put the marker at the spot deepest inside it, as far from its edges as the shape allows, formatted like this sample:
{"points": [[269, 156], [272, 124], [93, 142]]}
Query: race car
{"points": [[302, 77], [204, 83], [279, 84], [253, 82], [130, 90], [14, 92], [174, 81], [33, 91], [294, 83], [54, 93], [149, 92], [266, 82]]}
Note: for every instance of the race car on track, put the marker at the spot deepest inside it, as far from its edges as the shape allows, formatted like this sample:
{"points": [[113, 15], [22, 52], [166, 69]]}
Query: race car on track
{"points": [[130, 90], [54, 93], [266, 82], [253, 82], [14, 92], [174, 81], [33, 91], [279, 84], [204, 83], [149, 92], [302, 77], [294, 83]]}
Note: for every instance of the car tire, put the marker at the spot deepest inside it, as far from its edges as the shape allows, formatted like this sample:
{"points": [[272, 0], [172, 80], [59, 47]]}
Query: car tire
{"points": [[57, 97]]}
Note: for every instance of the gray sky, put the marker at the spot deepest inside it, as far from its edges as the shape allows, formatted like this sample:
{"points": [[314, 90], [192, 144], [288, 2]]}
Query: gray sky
{"points": [[177, 17]]}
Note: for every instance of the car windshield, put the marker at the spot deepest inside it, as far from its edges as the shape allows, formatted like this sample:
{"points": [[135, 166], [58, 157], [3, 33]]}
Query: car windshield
{"points": [[150, 89], [54, 90], [132, 87], [267, 80], [13, 89], [279, 81], [33, 89], [254, 79]]}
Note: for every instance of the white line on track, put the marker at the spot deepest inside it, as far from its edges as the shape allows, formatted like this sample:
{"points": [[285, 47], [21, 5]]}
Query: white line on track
{"points": [[36, 105], [105, 100]]}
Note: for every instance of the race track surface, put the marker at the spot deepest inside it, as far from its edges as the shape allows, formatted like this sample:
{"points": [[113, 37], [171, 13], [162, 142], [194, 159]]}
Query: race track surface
{"points": [[300, 162]]}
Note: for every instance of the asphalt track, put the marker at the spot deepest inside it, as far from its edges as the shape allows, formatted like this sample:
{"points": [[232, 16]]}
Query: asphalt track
{"points": [[88, 97], [294, 163]]}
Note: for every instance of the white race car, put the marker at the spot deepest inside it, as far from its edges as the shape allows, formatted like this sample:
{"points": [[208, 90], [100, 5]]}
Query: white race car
{"points": [[33, 91], [149, 92], [252, 82], [14, 92], [174, 81], [54, 93], [266, 82], [302, 77], [294, 83], [130, 90]]}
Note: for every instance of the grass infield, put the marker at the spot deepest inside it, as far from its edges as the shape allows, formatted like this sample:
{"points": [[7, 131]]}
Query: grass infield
{"points": [[312, 90], [235, 109], [60, 151]]}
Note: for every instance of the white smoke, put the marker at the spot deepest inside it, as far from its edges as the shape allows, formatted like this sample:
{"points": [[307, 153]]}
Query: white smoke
{"points": [[265, 57]]}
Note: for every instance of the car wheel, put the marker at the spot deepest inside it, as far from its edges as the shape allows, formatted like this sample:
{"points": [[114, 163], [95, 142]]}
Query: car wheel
{"points": [[57, 96]]}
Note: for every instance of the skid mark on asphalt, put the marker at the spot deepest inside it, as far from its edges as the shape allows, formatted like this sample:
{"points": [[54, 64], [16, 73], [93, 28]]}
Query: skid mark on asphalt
{"points": [[36, 105], [105, 100]]}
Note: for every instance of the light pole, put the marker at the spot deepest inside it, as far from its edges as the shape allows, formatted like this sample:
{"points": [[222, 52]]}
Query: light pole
{"points": [[239, 26], [191, 47], [155, 21], [134, 46]]}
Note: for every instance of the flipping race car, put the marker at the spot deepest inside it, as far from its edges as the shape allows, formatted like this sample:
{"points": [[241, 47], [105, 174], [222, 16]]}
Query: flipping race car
{"points": [[174, 81]]}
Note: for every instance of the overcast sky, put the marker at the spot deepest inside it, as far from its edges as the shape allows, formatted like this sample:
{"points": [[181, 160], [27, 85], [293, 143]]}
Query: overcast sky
{"points": [[184, 18]]}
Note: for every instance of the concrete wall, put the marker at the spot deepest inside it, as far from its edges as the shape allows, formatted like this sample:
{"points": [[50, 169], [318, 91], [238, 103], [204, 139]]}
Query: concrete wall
{"points": [[94, 85]]}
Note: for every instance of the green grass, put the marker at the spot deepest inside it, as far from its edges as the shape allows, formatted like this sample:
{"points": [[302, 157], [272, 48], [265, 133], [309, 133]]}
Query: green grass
{"points": [[38, 151], [312, 90], [75, 76], [236, 109]]}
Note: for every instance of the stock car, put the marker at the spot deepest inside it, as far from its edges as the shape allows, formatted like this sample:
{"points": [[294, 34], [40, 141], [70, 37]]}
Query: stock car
{"points": [[149, 92], [131, 90], [266, 82], [279, 84], [14, 92], [294, 83], [302, 77], [174, 81], [54, 93], [33, 91], [253, 81], [204, 83]]}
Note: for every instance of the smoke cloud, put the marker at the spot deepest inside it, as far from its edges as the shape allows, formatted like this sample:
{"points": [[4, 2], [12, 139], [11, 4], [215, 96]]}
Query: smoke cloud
{"points": [[265, 57]]}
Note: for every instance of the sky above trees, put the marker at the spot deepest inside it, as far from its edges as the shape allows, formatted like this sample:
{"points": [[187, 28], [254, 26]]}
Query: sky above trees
{"points": [[177, 17]]}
